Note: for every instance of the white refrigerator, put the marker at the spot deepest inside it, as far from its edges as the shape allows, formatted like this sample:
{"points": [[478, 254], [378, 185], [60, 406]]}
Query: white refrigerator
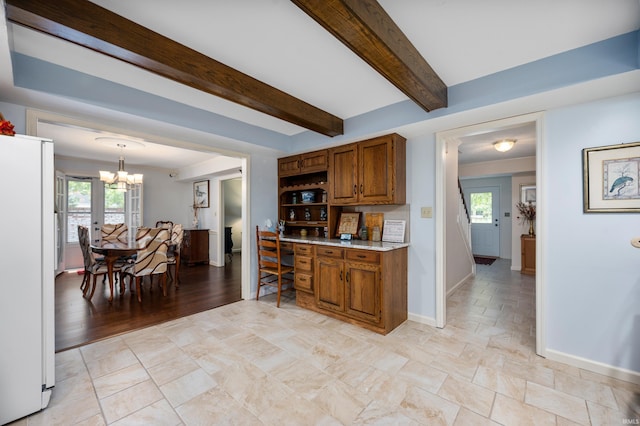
{"points": [[27, 264]]}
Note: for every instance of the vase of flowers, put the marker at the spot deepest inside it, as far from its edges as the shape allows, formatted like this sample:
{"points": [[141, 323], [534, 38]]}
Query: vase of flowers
{"points": [[527, 215], [6, 128], [195, 221]]}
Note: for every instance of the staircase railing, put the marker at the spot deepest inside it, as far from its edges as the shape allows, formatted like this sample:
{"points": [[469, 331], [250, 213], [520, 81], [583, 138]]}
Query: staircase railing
{"points": [[464, 219]]}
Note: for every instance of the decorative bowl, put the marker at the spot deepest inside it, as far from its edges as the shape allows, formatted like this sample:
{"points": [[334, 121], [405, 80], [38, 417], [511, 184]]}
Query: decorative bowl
{"points": [[308, 196]]}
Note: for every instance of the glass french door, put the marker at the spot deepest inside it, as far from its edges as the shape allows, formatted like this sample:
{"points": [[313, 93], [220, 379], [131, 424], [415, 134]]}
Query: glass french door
{"points": [[90, 203]]}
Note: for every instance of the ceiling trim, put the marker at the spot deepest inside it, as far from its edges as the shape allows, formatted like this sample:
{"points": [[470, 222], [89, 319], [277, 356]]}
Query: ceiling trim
{"points": [[369, 32], [89, 25]]}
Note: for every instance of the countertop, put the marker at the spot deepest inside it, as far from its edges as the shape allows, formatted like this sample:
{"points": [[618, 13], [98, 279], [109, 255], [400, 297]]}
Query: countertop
{"points": [[356, 244]]}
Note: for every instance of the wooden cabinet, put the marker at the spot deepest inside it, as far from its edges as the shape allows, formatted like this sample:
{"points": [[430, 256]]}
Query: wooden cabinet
{"points": [[195, 246], [313, 187], [303, 264], [303, 194], [363, 287], [330, 278], [528, 249], [309, 162], [362, 298], [343, 174], [368, 172]]}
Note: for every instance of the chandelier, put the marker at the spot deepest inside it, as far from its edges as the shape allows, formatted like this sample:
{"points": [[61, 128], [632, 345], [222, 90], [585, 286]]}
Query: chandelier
{"points": [[120, 180]]}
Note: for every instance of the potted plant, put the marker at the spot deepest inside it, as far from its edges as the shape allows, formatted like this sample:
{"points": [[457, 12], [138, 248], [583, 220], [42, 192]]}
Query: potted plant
{"points": [[527, 213]]}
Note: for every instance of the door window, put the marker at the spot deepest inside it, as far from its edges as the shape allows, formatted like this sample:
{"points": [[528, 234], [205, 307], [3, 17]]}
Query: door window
{"points": [[114, 205], [481, 207], [78, 207]]}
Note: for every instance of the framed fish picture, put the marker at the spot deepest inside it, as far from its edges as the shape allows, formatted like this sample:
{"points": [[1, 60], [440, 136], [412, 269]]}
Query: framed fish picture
{"points": [[611, 178]]}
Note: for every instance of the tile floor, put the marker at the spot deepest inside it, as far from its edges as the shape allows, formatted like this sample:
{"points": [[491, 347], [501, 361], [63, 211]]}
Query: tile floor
{"points": [[249, 363]]}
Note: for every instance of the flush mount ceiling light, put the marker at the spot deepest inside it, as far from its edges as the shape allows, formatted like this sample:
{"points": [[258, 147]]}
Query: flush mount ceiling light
{"points": [[121, 180], [504, 145]]}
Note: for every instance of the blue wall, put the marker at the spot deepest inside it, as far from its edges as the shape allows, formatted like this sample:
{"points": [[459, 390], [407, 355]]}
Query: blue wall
{"points": [[592, 271]]}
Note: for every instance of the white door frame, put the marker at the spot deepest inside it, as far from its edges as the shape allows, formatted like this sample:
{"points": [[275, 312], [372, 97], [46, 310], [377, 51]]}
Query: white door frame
{"points": [[441, 185], [34, 116]]}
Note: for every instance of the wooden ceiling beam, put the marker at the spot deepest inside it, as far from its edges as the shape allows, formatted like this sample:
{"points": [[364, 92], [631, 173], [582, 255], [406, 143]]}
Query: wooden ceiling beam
{"points": [[89, 25], [366, 28]]}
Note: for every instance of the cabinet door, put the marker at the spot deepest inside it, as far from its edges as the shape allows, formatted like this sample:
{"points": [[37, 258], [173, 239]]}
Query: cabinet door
{"points": [[363, 291], [329, 284], [289, 165], [313, 161], [375, 160], [343, 174]]}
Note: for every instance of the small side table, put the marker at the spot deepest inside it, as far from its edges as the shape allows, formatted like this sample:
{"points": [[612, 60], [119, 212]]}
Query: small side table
{"points": [[528, 249]]}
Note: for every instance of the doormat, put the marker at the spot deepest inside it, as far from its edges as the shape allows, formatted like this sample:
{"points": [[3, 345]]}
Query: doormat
{"points": [[481, 260]]}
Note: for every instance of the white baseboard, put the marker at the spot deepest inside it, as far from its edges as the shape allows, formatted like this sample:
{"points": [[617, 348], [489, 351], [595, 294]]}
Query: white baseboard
{"points": [[459, 284], [422, 319], [594, 366]]}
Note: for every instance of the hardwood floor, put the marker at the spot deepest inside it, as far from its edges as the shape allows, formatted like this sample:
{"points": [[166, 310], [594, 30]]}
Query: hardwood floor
{"points": [[80, 321]]}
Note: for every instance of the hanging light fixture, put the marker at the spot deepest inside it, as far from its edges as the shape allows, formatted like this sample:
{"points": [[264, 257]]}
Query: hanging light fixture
{"points": [[504, 145], [121, 179]]}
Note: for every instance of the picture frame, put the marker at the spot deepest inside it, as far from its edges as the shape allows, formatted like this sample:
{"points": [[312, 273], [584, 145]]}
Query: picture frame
{"points": [[610, 178], [201, 194], [393, 231], [528, 193], [349, 223]]}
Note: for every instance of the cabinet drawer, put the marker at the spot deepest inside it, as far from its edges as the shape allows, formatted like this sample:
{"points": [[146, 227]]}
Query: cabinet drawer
{"points": [[304, 249], [325, 251], [304, 282], [303, 264], [363, 256]]}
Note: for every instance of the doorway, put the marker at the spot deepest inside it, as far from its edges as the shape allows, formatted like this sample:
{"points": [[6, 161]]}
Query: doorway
{"points": [[447, 171], [232, 209]]}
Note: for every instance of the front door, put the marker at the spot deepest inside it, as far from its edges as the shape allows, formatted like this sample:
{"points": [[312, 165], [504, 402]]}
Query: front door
{"points": [[485, 227]]}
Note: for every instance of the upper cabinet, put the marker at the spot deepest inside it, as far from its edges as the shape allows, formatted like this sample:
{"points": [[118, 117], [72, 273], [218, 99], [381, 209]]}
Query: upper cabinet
{"points": [[303, 194], [368, 172], [309, 162]]}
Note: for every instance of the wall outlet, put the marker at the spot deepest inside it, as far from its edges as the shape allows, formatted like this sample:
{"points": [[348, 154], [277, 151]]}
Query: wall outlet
{"points": [[426, 212]]}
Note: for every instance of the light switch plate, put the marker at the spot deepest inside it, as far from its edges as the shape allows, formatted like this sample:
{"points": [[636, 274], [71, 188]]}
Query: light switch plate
{"points": [[426, 212]]}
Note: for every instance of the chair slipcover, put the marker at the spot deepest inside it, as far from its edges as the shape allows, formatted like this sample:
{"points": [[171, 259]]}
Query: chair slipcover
{"points": [[151, 257]]}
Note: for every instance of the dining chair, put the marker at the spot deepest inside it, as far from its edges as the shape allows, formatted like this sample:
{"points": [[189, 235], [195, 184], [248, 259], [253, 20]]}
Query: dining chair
{"points": [[166, 224], [151, 259], [271, 269], [92, 267], [173, 256], [114, 232]]}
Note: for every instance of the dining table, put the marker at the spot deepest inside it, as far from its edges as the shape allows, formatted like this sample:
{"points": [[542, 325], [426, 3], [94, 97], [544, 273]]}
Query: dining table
{"points": [[112, 251]]}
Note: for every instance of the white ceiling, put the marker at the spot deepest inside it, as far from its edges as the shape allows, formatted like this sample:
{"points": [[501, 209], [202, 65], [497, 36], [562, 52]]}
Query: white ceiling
{"points": [[277, 43]]}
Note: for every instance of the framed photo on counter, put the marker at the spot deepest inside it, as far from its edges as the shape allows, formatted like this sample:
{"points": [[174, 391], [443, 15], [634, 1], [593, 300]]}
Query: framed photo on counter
{"points": [[348, 224], [393, 231]]}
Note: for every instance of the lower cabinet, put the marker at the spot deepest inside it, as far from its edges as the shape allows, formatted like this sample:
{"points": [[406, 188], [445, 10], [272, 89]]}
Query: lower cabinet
{"points": [[528, 249], [303, 264], [195, 246], [364, 287], [330, 289]]}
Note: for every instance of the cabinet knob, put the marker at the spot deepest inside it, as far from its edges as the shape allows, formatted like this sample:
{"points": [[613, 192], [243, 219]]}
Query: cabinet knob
{"points": [[340, 275], [361, 188], [355, 189]]}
